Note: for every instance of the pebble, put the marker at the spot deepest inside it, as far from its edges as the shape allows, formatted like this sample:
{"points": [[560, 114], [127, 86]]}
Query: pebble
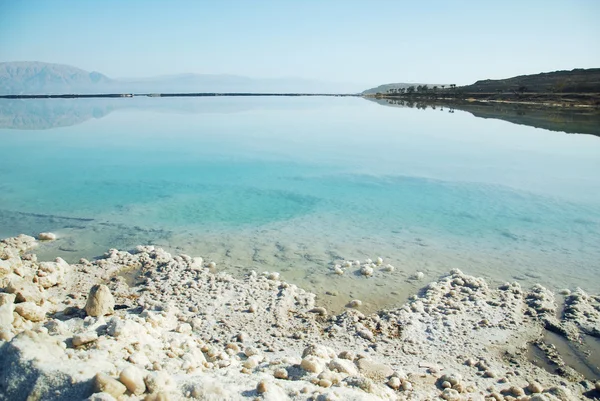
{"points": [[394, 383], [338, 270], [312, 364], [535, 387], [85, 338], [103, 383], [47, 237], [325, 383], [281, 373], [366, 270], [355, 303], [319, 310], [516, 391], [379, 261], [262, 387], [419, 276], [100, 301]]}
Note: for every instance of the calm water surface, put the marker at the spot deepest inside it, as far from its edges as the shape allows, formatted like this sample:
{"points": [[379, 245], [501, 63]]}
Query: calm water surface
{"points": [[297, 184]]}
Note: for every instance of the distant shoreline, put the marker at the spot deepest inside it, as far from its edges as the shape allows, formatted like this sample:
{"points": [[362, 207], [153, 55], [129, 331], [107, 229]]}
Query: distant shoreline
{"points": [[200, 94], [588, 100]]}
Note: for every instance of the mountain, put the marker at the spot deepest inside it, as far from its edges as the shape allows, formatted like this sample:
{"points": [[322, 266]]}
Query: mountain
{"points": [[384, 88], [575, 81], [25, 77], [43, 78]]}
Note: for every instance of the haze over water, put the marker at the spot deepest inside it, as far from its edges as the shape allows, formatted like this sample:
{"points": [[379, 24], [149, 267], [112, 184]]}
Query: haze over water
{"points": [[297, 184]]}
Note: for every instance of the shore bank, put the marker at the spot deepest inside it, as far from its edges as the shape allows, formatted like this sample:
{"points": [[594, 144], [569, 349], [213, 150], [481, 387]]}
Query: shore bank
{"points": [[185, 330]]}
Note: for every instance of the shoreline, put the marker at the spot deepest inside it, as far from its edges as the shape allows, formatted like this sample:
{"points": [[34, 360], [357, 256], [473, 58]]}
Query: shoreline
{"points": [[187, 330]]}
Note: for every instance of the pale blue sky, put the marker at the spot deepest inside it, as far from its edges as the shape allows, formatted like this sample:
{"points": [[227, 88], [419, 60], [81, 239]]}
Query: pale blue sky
{"points": [[369, 41]]}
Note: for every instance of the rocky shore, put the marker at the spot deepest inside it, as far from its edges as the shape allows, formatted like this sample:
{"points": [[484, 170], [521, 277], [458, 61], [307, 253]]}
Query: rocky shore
{"points": [[187, 331]]}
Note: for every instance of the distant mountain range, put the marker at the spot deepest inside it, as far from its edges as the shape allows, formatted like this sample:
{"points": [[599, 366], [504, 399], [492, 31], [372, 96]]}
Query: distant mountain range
{"points": [[34, 77]]}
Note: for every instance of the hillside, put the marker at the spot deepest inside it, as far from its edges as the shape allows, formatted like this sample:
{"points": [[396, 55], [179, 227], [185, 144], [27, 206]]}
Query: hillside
{"points": [[574, 81], [27, 78]]}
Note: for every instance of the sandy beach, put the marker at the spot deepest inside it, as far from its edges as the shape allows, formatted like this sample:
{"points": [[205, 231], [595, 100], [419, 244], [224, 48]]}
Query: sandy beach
{"points": [[187, 331]]}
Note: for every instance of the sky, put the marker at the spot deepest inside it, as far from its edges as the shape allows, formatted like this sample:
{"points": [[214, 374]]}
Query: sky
{"points": [[369, 42]]}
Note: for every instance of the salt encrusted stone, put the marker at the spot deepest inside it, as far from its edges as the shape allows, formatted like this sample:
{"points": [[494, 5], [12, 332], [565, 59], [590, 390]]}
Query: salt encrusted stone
{"points": [[394, 383], [281, 373], [374, 370], [84, 338], [343, 366], [100, 301], [133, 379], [47, 237], [262, 387], [355, 303], [30, 311], [103, 383], [312, 364]]}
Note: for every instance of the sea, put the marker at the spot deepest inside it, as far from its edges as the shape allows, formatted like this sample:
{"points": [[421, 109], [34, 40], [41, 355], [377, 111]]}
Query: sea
{"points": [[297, 185]]}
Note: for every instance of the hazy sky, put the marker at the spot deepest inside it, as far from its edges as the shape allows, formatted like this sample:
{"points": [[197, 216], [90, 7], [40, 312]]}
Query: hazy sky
{"points": [[368, 41]]}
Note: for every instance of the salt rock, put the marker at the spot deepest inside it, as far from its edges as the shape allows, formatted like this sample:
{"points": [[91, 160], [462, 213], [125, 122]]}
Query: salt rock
{"points": [[366, 270], [160, 396], [418, 276], [103, 383], [156, 381], [84, 338], [24, 291], [338, 270], [100, 397], [281, 373], [262, 387], [374, 370], [516, 391], [30, 311], [51, 273], [100, 301], [379, 261], [388, 268], [394, 383], [319, 310], [6, 315], [47, 237], [319, 351], [133, 379], [343, 366], [355, 303], [535, 387], [312, 364], [5, 267], [450, 395]]}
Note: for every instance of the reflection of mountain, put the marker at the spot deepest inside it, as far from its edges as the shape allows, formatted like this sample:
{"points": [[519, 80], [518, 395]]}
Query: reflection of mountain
{"points": [[37, 114], [575, 120]]}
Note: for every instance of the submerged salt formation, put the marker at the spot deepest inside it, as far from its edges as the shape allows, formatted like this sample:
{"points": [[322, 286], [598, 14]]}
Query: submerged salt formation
{"points": [[71, 332]]}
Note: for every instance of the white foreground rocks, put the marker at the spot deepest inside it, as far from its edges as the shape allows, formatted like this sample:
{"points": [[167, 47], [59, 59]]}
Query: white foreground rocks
{"points": [[74, 332]]}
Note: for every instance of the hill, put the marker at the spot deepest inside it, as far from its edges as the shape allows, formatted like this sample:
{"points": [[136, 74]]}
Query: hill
{"points": [[574, 81], [386, 87], [27, 78]]}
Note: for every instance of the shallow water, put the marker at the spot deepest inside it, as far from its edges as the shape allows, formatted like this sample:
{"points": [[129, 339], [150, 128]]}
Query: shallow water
{"points": [[297, 184]]}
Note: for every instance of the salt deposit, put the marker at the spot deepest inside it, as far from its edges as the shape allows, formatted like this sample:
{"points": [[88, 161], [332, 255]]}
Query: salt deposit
{"points": [[79, 331]]}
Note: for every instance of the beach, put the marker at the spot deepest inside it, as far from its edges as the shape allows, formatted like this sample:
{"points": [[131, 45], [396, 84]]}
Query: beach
{"points": [[181, 328]]}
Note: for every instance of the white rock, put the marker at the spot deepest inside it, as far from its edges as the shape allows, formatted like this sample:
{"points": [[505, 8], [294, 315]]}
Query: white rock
{"points": [[84, 338], [157, 381], [379, 261], [388, 268], [211, 265], [338, 270], [281, 373], [133, 379], [374, 370], [394, 383], [100, 397], [106, 384], [100, 301], [6, 315], [30, 311], [355, 303], [366, 270], [343, 366], [418, 276], [47, 237], [312, 364]]}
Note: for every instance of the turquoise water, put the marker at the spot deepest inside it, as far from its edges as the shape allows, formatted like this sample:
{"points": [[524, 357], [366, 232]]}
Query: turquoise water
{"points": [[296, 184]]}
